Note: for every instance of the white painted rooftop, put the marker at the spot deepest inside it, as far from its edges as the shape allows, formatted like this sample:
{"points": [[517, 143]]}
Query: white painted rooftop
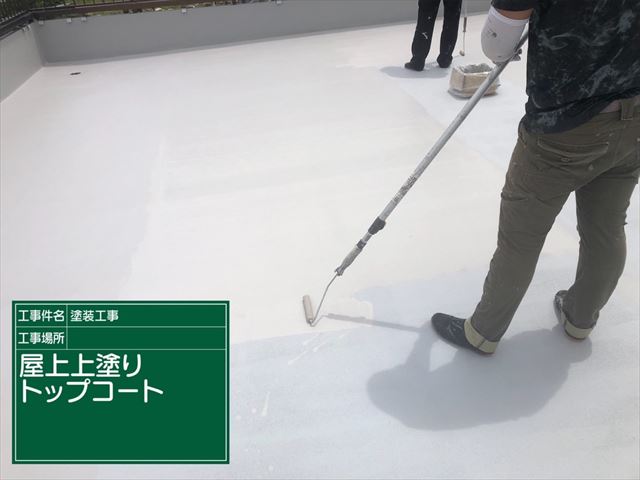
{"points": [[247, 172]]}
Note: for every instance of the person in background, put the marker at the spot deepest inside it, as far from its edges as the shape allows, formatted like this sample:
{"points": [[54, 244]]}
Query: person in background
{"points": [[427, 12], [580, 133]]}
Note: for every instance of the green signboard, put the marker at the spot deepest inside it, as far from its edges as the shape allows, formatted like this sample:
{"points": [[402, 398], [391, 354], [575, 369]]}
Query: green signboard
{"points": [[120, 382]]}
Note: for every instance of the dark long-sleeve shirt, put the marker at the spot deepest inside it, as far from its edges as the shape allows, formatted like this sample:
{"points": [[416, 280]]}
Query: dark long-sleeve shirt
{"points": [[582, 55]]}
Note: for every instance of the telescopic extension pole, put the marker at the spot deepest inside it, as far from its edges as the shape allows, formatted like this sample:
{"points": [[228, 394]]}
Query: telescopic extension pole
{"points": [[380, 221], [464, 30]]}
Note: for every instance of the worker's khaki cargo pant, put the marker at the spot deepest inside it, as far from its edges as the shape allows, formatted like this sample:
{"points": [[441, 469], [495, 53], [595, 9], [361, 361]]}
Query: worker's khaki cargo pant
{"points": [[600, 162]]}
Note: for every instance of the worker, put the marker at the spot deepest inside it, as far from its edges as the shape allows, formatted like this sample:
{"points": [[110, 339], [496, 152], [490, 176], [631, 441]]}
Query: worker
{"points": [[581, 134], [427, 12]]}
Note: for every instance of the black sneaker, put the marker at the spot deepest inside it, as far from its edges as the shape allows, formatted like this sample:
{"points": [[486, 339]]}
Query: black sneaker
{"points": [[452, 330], [444, 60], [414, 65], [558, 302]]}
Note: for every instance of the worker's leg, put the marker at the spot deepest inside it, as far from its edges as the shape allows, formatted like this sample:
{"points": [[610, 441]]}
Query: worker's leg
{"points": [[543, 170], [427, 12], [532, 197], [449, 35], [601, 209]]}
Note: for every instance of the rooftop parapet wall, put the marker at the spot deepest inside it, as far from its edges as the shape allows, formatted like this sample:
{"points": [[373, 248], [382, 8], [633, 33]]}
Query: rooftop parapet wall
{"points": [[98, 37], [107, 36], [19, 59]]}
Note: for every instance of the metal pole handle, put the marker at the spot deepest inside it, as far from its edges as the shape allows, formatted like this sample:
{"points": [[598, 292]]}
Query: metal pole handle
{"points": [[380, 221]]}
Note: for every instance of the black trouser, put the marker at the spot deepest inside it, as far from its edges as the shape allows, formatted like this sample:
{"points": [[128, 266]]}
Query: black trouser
{"points": [[427, 12]]}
